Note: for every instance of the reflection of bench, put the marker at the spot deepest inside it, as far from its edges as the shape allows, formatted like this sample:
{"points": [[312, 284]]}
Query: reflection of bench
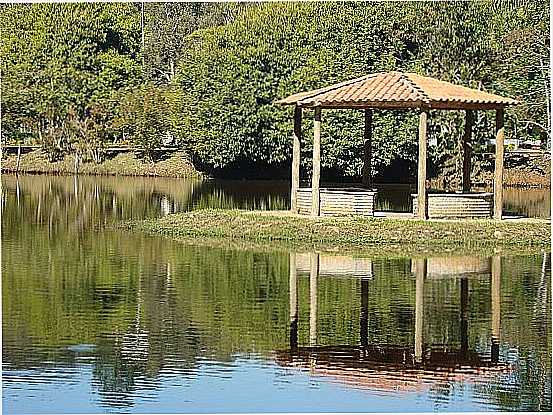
{"points": [[456, 267], [457, 205], [336, 266], [339, 201]]}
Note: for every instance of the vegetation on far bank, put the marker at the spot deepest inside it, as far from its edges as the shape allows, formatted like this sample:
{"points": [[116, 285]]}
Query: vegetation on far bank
{"points": [[125, 164], [374, 236], [76, 79]]}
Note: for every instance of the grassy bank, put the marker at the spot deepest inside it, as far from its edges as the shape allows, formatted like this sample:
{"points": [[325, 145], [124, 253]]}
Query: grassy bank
{"points": [[521, 170], [125, 164], [349, 234]]}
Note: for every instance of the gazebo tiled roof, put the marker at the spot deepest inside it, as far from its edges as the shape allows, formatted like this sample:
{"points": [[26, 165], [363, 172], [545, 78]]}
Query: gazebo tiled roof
{"points": [[397, 90]]}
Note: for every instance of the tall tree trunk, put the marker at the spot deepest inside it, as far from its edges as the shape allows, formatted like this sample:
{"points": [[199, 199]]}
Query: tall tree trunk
{"points": [[548, 109]]}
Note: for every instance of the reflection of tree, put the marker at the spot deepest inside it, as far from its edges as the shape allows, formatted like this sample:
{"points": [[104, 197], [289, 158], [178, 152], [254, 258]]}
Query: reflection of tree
{"points": [[155, 334], [194, 302], [235, 194], [79, 203], [534, 203], [114, 376]]}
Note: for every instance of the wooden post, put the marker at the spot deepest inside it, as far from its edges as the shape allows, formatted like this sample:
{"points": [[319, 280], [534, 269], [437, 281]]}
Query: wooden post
{"points": [[313, 275], [496, 306], [467, 150], [296, 146], [315, 196], [366, 173], [498, 173], [293, 302], [420, 270], [421, 183]]}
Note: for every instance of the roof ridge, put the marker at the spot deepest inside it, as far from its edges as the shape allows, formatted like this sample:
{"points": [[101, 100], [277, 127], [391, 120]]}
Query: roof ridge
{"points": [[465, 87], [420, 91], [336, 86]]}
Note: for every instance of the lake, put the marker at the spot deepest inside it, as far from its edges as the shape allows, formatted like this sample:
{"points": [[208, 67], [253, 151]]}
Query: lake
{"points": [[101, 320]]}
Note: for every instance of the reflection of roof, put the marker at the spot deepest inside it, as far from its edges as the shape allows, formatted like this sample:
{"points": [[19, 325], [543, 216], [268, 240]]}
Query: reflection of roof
{"points": [[397, 90], [336, 266], [385, 367], [463, 266]]}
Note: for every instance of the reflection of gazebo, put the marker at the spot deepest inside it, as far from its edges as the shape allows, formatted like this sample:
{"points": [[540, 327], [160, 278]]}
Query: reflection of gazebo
{"points": [[336, 266], [456, 266], [404, 360], [390, 367], [395, 90]]}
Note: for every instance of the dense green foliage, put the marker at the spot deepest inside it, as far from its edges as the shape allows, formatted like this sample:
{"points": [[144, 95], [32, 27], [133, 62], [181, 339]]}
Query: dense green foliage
{"points": [[226, 64], [144, 114], [62, 65], [235, 72]]}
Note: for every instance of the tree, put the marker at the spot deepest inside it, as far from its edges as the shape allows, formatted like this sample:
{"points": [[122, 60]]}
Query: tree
{"points": [[230, 76], [143, 114], [167, 26], [58, 58]]}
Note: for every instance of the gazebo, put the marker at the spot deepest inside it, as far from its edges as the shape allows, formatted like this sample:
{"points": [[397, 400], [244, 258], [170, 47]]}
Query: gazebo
{"points": [[396, 90]]}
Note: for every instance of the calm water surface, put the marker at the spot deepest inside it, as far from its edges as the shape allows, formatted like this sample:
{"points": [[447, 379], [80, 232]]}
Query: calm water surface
{"points": [[96, 320]]}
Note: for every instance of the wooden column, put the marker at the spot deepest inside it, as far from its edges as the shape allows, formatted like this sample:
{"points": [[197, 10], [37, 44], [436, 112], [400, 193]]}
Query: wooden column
{"points": [[421, 182], [496, 306], [315, 196], [420, 274], [498, 172], [296, 146], [313, 276], [366, 172], [293, 302], [467, 150]]}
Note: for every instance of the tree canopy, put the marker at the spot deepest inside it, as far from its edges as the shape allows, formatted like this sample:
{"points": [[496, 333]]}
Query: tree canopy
{"points": [[220, 67]]}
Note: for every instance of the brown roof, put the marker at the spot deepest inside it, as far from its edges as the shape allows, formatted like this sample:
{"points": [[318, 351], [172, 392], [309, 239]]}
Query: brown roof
{"points": [[397, 90]]}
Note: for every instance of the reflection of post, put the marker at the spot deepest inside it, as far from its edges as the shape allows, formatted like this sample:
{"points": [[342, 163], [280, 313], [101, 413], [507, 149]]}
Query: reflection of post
{"points": [[464, 315], [540, 306], [364, 319], [17, 190], [293, 302], [420, 273], [496, 306], [313, 275]]}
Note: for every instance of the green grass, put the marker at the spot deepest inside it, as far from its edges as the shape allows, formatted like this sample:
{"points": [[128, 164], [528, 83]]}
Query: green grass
{"points": [[280, 230]]}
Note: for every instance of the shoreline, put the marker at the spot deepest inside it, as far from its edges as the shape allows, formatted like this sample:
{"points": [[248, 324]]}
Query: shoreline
{"points": [[282, 230], [177, 165]]}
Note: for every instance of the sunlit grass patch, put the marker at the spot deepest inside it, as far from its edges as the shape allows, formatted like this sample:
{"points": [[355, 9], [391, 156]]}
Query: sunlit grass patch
{"points": [[351, 233]]}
